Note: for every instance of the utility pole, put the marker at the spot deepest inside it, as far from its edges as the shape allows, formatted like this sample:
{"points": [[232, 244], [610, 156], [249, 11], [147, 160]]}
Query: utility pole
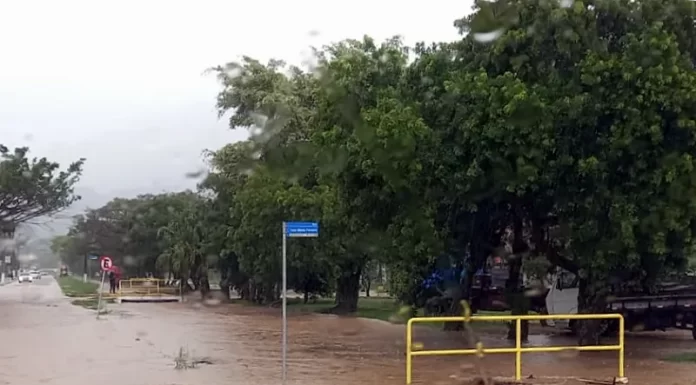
{"points": [[7, 231]]}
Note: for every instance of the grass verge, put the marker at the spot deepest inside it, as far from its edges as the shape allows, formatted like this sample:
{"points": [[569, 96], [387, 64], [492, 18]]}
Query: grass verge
{"points": [[385, 309], [374, 307], [90, 303], [689, 357], [381, 308], [75, 287]]}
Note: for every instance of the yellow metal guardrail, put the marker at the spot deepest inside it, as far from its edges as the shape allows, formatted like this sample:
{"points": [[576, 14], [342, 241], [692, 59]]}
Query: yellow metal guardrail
{"points": [[518, 349], [146, 287]]}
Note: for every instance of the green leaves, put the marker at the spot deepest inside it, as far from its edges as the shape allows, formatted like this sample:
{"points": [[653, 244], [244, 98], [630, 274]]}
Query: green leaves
{"points": [[574, 121], [143, 234], [30, 188]]}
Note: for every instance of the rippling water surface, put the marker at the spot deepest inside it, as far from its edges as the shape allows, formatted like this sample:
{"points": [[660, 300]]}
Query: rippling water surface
{"points": [[46, 340]]}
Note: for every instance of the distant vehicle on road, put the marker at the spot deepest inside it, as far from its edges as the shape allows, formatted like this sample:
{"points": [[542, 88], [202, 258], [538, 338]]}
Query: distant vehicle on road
{"points": [[25, 277], [35, 274]]}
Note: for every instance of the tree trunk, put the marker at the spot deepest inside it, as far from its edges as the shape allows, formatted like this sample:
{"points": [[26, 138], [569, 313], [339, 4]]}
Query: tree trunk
{"points": [[464, 292], [254, 292], [478, 256], [245, 292], [591, 300], [271, 294], [172, 273], [225, 287], [519, 303], [225, 279], [185, 285], [195, 279], [348, 290], [306, 297], [204, 284], [455, 310]]}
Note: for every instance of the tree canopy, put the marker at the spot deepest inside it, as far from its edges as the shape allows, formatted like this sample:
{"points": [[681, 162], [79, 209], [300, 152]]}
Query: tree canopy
{"points": [[562, 131], [32, 187]]}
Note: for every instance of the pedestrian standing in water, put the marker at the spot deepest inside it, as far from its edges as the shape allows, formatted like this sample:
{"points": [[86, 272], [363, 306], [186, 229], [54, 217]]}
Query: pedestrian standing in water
{"points": [[112, 282]]}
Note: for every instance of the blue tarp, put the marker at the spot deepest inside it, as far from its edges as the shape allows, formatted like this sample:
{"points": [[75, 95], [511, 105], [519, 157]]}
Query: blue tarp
{"points": [[440, 276]]}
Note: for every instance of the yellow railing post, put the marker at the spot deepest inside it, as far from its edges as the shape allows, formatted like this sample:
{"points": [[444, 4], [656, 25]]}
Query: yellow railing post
{"points": [[518, 349], [622, 326], [409, 344]]}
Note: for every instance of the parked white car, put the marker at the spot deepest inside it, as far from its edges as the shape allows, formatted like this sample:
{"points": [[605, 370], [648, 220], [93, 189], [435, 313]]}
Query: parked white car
{"points": [[25, 277], [35, 274]]}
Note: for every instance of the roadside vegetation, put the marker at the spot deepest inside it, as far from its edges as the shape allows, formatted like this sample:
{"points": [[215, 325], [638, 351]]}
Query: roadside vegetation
{"points": [[555, 134], [386, 309], [83, 294], [75, 287], [32, 186], [683, 357], [376, 308], [91, 302]]}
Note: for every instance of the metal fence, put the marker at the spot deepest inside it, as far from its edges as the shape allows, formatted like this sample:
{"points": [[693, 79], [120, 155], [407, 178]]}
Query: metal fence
{"points": [[518, 349], [147, 287]]}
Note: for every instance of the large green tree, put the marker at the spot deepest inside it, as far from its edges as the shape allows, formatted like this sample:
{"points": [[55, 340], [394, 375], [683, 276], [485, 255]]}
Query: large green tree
{"points": [[571, 131], [584, 115], [341, 127], [34, 187], [263, 204], [186, 240], [229, 169], [136, 233]]}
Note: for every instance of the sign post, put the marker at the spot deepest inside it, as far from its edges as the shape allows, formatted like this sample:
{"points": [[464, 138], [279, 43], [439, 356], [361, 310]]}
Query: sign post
{"points": [[106, 264], [292, 230], [8, 260]]}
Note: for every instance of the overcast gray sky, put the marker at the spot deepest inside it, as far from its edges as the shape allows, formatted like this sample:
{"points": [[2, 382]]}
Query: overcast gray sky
{"points": [[121, 82]]}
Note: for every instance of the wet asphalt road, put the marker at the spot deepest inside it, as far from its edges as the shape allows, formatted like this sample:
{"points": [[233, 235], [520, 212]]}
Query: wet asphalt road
{"points": [[47, 340]]}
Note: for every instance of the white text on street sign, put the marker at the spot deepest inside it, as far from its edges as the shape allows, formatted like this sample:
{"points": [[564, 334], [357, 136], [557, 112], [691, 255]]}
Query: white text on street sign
{"points": [[301, 229]]}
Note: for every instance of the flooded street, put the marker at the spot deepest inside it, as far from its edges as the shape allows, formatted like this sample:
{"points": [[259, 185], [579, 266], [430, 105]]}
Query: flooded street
{"points": [[47, 340]]}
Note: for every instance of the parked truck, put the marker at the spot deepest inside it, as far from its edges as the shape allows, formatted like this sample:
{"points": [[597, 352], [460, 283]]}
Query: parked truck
{"points": [[672, 306]]}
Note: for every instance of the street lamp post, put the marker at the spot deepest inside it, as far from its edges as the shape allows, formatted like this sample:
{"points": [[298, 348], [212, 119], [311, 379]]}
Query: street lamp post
{"points": [[7, 232]]}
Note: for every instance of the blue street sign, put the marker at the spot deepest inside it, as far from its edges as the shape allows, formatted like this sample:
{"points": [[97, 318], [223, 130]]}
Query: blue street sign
{"points": [[301, 229], [93, 257]]}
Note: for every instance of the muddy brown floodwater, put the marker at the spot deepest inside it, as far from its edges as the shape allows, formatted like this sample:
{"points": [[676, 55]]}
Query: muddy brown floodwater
{"points": [[46, 340]]}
